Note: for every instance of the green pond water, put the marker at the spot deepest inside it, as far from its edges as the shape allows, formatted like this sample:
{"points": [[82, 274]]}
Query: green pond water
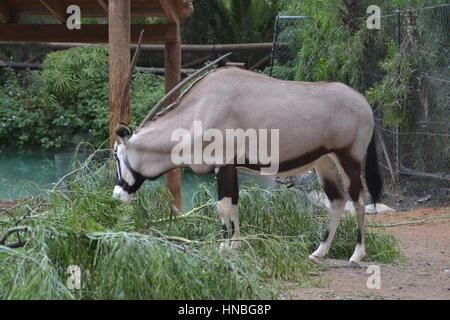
{"points": [[25, 173]]}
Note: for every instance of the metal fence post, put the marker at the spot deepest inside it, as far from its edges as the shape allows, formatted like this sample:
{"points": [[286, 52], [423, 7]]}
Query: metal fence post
{"points": [[397, 142], [275, 39], [399, 23]]}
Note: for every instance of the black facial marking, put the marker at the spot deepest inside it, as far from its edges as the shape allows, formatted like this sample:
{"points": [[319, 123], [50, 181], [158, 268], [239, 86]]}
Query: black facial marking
{"points": [[138, 178], [118, 169]]}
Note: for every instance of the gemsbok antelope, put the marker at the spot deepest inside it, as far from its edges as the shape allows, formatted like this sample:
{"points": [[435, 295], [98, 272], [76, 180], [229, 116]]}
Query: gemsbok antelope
{"points": [[327, 126]]}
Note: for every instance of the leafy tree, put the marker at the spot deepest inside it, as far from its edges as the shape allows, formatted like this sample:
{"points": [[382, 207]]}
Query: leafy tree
{"points": [[252, 20], [208, 24], [226, 21]]}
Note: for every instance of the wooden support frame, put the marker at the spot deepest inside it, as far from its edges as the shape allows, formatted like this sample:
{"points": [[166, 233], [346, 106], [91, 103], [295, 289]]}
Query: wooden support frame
{"points": [[89, 33], [213, 48], [119, 16], [170, 10], [172, 63], [104, 5], [6, 13], [56, 8]]}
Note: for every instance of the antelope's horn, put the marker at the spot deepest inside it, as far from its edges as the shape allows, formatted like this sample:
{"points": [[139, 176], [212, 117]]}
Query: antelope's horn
{"points": [[169, 94], [126, 87]]}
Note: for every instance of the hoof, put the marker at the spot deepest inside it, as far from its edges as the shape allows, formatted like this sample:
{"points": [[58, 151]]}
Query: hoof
{"points": [[354, 265], [316, 260], [230, 245]]}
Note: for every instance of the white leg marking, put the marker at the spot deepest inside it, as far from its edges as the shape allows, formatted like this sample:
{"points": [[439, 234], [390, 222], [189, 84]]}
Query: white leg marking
{"points": [[336, 210], [237, 231], [228, 213], [360, 252], [327, 170], [223, 209]]}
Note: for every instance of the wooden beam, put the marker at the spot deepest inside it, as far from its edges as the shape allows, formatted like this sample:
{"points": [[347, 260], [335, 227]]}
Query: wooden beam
{"points": [[56, 8], [172, 62], [21, 65], [236, 64], [89, 33], [170, 10], [96, 12], [37, 66], [6, 13], [208, 48], [104, 5], [197, 61], [261, 62], [119, 61]]}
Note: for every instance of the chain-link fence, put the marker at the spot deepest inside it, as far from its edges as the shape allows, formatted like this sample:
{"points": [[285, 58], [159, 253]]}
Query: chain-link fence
{"points": [[286, 44], [407, 61]]}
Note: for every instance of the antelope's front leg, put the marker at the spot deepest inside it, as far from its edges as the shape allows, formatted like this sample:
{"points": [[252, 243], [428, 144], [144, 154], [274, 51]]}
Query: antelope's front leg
{"points": [[227, 206], [229, 217]]}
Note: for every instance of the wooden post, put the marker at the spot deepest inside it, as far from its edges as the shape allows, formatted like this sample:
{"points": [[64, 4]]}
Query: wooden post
{"points": [[172, 61], [119, 60]]}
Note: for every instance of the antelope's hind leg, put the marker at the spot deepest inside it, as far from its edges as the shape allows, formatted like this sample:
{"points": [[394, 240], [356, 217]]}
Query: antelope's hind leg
{"points": [[351, 168], [328, 174], [227, 206]]}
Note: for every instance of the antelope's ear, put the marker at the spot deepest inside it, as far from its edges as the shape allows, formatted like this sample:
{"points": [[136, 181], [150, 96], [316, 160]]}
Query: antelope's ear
{"points": [[123, 132]]}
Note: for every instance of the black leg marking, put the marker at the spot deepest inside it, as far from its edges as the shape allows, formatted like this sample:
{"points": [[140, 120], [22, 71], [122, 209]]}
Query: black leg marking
{"points": [[325, 238], [352, 168], [226, 234], [331, 190], [359, 239], [227, 183]]}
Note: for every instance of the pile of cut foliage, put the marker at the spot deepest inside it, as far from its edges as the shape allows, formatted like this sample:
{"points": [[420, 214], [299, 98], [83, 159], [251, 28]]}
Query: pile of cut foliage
{"points": [[141, 251]]}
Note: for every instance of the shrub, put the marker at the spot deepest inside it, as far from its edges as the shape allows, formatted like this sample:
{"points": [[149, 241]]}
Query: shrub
{"points": [[67, 100], [30, 115]]}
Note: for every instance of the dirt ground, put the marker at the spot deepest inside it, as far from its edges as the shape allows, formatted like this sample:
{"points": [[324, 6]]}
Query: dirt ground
{"points": [[424, 275]]}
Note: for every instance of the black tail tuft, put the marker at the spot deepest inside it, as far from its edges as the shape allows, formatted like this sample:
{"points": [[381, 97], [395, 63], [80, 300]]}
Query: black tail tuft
{"points": [[373, 176]]}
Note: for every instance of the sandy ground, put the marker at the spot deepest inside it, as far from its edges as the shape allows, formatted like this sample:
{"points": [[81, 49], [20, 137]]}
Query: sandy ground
{"points": [[424, 275]]}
